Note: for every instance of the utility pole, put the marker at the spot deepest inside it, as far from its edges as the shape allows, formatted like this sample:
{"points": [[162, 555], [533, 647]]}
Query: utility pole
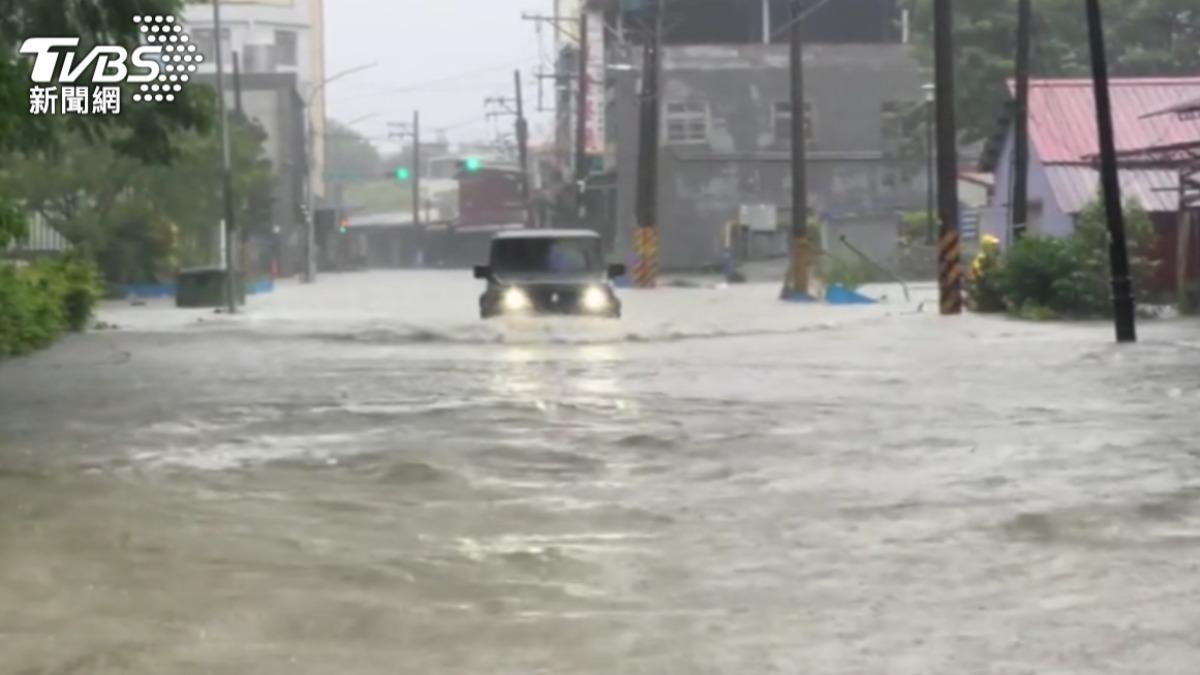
{"points": [[581, 156], [949, 256], [796, 286], [416, 169], [1020, 186], [645, 236], [930, 169], [1122, 284], [237, 85], [523, 148], [231, 295]]}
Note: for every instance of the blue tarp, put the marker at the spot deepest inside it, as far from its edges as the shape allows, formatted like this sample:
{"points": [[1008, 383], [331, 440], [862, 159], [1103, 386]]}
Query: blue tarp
{"points": [[840, 295]]}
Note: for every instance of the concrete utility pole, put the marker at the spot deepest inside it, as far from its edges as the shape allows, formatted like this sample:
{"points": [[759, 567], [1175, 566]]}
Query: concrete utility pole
{"points": [[581, 156], [930, 170], [231, 295], [796, 286], [949, 256], [523, 148], [310, 203], [1020, 186], [645, 236], [1122, 284], [416, 169]]}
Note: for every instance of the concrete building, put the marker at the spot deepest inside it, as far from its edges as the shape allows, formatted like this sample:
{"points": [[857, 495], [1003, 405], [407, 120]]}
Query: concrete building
{"points": [[280, 51], [272, 36], [724, 138], [725, 145]]}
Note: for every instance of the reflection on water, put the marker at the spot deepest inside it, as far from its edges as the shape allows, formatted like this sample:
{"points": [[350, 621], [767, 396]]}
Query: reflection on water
{"points": [[892, 494]]}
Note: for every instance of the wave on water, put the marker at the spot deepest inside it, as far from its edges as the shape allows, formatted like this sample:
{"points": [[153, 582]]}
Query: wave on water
{"points": [[568, 333]]}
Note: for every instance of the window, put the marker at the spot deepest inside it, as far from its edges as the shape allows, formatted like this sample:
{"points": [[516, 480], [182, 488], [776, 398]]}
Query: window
{"points": [[286, 51], [781, 116], [203, 38], [687, 122]]}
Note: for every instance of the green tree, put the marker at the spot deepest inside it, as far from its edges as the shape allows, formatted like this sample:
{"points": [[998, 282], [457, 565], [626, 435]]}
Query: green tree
{"points": [[1144, 37], [140, 219], [142, 131], [349, 156]]}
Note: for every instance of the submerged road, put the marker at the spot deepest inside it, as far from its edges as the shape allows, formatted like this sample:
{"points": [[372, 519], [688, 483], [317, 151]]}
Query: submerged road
{"points": [[361, 477]]}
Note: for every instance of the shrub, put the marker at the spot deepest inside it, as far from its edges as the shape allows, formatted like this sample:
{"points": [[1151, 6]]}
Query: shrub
{"points": [[1044, 277], [40, 302]]}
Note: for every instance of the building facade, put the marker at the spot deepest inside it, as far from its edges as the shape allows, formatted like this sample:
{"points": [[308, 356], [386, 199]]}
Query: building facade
{"points": [[279, 50], [725, 125], [725, 146]]}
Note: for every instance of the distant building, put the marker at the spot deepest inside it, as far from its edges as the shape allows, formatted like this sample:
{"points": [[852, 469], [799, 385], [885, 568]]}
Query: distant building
{"points": [[1063, 144], [279, 47], [725, 124]]}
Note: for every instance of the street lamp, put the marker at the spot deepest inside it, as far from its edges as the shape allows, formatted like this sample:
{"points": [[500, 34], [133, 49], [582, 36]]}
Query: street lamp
{"points": [[310, 235], [930, 97]]}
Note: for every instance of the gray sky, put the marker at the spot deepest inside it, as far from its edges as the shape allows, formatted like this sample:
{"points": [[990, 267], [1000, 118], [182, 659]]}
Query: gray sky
{"points": [[456, 52]]}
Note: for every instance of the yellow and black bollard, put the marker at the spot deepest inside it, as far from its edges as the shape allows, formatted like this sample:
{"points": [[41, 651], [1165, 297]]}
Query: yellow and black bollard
{"points": [[645, 249], [950, 284]]}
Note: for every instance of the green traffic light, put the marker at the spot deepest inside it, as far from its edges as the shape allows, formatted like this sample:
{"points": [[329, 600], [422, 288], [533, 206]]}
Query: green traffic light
{"points": [[473, 164], [402, 174]]}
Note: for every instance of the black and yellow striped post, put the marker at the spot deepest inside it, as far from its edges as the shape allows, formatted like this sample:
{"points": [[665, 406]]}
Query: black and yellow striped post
{"points": [[950, 284], [645, 250], [950, 273], [645, 235]]}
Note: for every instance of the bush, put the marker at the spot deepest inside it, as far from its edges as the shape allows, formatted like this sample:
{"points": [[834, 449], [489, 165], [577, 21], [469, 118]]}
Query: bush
{"points": [[1044, 277], [41, 302]]}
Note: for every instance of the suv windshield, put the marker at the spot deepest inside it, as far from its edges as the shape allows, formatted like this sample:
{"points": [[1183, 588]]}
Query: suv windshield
{"points": [[546, 256]]}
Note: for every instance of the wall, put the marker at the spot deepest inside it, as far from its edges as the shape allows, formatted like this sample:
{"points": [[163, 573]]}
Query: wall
{"points": [[742, 161], [1053, 221]]}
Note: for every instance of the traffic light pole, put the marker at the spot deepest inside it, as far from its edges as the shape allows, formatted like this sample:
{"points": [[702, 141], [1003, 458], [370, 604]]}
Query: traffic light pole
{"points": [[416, 169], [1122, 284]]}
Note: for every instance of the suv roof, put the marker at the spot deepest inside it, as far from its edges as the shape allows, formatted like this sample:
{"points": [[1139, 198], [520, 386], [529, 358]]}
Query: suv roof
{"points": [[547, 234]]}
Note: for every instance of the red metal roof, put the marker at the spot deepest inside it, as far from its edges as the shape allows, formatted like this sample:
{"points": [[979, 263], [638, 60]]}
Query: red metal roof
{"points": [[1062, 116]]}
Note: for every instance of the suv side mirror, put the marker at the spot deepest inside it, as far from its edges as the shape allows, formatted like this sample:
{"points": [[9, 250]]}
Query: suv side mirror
{"points": [[483, 272], [616, 271]]}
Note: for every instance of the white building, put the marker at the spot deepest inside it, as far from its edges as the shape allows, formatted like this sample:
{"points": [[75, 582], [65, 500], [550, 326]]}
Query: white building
{"points": [[271, 36]]}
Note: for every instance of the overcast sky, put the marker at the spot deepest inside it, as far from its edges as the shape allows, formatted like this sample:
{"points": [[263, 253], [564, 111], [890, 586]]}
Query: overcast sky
{"points": [[449, 55]]}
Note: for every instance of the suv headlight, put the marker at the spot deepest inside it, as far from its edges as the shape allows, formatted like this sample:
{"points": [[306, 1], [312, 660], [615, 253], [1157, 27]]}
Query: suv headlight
{"points": [[515, 300], [594, 299]]}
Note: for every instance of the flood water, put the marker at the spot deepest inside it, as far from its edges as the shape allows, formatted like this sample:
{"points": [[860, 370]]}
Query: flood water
{"points": [[361, 477]]}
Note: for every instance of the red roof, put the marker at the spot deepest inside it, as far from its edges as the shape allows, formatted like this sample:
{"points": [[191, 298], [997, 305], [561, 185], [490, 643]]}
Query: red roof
{"points": [[1062, 116]]}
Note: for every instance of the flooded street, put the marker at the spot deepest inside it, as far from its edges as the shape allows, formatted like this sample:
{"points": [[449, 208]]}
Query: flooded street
{"points": [[362, 477]]}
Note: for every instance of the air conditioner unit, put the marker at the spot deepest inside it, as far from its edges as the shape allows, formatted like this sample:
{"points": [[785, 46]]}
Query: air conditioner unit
{"points": [[759, 217]]}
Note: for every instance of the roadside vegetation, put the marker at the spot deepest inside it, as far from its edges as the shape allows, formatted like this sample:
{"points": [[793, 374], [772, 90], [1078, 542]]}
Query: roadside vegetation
{"points": [[1052, 278]]}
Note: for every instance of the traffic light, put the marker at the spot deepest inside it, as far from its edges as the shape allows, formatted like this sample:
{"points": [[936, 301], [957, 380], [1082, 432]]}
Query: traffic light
{"points": [[342, 226], [402, 174], [472, 164]]}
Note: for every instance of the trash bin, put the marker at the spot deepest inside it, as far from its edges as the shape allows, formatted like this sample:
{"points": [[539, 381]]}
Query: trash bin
{"points": [[204, 287]]}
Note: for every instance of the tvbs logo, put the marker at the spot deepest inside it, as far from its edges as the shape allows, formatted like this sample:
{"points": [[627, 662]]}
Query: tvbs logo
{"points": [[160, 68]]}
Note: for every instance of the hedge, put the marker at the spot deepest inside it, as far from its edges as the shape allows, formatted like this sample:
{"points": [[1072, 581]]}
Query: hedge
{"points": [[41, 302]]}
